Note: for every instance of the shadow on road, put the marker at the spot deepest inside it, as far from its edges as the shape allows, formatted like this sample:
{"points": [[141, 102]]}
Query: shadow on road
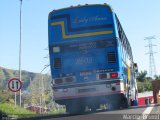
{"points": [[42, 117]]}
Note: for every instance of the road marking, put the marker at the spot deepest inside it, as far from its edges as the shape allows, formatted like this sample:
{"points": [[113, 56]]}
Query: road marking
{"points": [[147, 112]]}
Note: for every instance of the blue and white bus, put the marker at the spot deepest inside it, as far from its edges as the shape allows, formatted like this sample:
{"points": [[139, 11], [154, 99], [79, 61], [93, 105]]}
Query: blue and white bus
{"points": [[91, 58]]}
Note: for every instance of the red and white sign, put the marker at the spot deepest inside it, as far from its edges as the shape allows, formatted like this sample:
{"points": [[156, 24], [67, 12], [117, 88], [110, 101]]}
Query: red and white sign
{"points": [[14, 84]]}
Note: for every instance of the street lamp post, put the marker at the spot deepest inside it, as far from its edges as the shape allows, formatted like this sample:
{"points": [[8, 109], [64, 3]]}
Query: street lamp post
{"points": [[20, 46]]}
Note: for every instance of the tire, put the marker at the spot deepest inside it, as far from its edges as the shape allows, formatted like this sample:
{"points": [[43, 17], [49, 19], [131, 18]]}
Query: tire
{"points": [[94, 107], [75, 109], [125, 103], [115, 105]]}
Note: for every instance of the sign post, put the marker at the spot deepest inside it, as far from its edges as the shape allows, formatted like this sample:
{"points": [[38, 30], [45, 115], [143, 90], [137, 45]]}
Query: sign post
{"points": [[14, 85]]}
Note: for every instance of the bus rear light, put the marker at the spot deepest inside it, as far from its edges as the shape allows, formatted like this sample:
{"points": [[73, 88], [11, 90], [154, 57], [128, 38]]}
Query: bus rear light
{"points": [[102, 76], [64, 80], [69, 79], [113, 75], [58, 81]]}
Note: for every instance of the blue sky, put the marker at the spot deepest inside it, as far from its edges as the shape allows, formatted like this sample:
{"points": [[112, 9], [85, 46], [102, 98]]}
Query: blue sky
{"points": [[139, 19]]}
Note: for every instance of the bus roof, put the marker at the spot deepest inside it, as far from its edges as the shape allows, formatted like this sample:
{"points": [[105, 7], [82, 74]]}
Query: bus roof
{"points": [[105, 4]]}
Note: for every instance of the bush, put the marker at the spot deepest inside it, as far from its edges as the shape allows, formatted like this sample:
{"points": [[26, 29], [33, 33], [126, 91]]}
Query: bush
{"points": [[5, 95], [145, 86]]}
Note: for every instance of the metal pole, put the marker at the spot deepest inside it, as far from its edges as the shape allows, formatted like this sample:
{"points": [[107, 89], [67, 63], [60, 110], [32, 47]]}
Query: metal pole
{"points": [[41, 90], [20, 46], [15, 99], [40, 103]]}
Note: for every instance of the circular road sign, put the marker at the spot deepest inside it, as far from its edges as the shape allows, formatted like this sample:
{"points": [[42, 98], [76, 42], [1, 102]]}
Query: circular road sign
{"points": [[14, 84]]}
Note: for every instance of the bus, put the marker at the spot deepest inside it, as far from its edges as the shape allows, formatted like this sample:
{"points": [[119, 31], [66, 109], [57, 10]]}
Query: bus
{"points": [[90, 58]]}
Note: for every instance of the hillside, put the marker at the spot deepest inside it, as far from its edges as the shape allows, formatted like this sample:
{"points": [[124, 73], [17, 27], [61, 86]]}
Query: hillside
{"points": [[34, 85], [7, 74], [36, 90]]}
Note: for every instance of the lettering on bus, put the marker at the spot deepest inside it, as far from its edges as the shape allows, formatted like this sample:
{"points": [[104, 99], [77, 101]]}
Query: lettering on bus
{"points": [[90, 45], [86, 20], [84, 60]]}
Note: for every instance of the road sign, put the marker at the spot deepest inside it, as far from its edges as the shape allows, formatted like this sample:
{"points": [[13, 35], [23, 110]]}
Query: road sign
{"points": [[14, 84]]}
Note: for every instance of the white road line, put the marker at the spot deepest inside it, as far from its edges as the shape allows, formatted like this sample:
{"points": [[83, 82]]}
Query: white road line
{"points": [[147, 112]]}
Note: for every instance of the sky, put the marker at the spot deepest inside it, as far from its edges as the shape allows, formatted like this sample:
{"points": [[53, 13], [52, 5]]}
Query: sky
{"points": [[139, 19]]}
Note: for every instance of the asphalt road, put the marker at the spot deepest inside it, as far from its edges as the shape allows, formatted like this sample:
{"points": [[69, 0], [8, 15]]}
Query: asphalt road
{"points": [[151, 112]]}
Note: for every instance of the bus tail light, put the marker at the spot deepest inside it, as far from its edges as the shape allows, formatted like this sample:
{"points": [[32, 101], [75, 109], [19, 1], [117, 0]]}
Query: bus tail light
{"points": [[113, 75], [102, 76], [69, 79], [58, 81], [64, 80]]}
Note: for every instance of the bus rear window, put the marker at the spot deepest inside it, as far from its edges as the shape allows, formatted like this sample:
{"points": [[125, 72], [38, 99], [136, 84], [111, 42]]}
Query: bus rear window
{"points": [[111, 57], [78, 46]]}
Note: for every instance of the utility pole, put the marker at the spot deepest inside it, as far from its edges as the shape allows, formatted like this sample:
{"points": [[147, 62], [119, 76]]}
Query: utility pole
{"points": [[42, 90], [152, 67], [40, 97], [20, 50]]}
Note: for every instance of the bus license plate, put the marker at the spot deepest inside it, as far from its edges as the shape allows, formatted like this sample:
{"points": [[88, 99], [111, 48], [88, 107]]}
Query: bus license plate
{"points": [[108, 86], [86, 90]]}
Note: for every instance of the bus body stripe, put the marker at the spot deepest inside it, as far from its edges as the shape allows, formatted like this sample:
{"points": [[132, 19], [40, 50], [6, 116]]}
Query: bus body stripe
{"points": [[61, 23], [70, 29], [88, 95], [87, 84]]}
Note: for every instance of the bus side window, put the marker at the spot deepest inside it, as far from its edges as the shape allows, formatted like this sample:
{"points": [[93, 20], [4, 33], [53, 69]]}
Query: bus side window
{"points": [[111, 57]]}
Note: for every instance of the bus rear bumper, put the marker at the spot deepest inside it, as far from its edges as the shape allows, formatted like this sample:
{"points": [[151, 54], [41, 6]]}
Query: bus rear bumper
{"points": [[94, 90], [92, 100]]}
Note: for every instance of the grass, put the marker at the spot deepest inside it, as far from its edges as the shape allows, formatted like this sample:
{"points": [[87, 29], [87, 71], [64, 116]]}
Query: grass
{"points": [[61, 111], [18, 112]]}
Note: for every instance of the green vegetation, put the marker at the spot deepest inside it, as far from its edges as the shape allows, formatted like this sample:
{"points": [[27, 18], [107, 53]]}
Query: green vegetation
{"points": [[6, 95], [27, 79], [17, 112], [60, 111], [157, 77], [144, 82], [35, 87], [7, 74], [144, 86], [11, 110]]}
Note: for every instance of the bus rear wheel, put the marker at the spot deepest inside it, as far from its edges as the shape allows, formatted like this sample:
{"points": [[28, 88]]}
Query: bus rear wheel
{"points": [[125, 103], [75, 109], [94, 107]]}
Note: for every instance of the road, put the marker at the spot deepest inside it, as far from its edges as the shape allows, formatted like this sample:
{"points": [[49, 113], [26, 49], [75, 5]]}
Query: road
{"points": [[151, 112]]}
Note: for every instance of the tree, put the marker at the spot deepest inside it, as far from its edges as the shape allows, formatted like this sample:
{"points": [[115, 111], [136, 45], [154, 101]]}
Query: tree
{"points": [[142, 76], [157, 77]]}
